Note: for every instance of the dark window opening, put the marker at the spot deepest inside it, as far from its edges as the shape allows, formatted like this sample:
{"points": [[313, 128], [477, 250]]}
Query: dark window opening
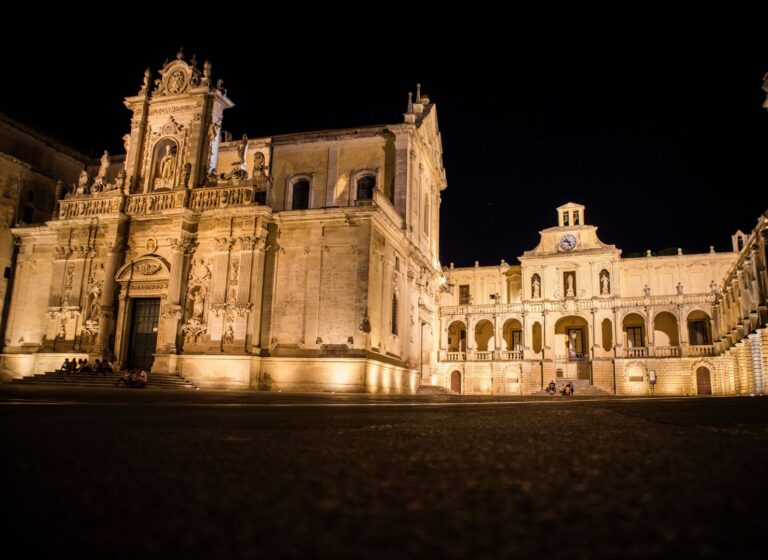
{"points": [[365, 186], [464, 297], [635, 337], [300, 199]]}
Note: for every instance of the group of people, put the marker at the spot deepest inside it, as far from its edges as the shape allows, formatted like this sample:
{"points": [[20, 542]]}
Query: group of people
{"points": [[82, 365], [135, 378], [566, 391]]}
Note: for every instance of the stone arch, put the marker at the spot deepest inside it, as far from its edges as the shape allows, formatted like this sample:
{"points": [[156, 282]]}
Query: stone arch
{"points": [[572, 337], [364, 183], [457, 337], [298, 192], [512, 335], [665, 329], [699, 325], [483, 334], [146, 268], [633, 326], [703, 380]]}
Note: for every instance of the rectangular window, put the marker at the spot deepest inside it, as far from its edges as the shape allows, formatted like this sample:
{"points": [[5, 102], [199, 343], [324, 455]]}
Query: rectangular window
{"points": [[28, 214], [575, 217], [566, 221], [635, 337], [395, 305], [30, 196], [517, 340], [464, 297], [697, 333], [397, 264]]}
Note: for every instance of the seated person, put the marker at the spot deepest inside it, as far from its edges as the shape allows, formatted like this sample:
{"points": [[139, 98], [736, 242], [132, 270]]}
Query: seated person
{"points": [[85, 367], [106, 367], [65, 367], [142, 379], [551, 388], [125, 379]]}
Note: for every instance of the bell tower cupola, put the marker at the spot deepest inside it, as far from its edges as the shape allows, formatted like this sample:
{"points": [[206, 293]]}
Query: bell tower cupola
{"points": [[174, 138]]}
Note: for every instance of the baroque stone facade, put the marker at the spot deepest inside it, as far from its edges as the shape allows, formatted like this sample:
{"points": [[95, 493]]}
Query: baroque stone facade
{"points": [[575, 310], [310, 262], [303, 261]]}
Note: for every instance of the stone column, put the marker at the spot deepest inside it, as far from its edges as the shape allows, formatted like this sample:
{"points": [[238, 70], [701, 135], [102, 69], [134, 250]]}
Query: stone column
{"points": [[180, 249], [107, 303]]}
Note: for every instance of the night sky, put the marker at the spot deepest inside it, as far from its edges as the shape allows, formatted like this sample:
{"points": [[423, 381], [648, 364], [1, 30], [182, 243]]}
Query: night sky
{"points": [[650, 116]]}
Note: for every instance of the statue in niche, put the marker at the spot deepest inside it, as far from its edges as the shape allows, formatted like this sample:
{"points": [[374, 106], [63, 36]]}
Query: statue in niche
{"points": [[229, 335], [605, 284], [165, 169], [198, 303], [569, 286], [95, 286], [535, 287]]}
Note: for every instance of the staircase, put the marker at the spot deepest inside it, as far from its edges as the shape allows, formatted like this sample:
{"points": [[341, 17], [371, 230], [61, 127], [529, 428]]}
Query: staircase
{"points": [[50, 379], [581, 387]]}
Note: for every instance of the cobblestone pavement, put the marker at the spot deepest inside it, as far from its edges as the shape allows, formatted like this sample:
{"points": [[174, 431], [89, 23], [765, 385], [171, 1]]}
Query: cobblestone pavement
{"points": [[125, 473]]}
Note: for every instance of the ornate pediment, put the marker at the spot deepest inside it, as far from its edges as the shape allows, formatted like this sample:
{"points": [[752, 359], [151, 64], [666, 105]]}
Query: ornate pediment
{"points": [[178, 76]]}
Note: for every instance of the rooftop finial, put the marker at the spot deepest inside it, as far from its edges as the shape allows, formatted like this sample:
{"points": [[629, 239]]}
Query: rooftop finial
{"points": [[147, 79], [410, 102], [193, 61], [180, 54], [418, 93]]}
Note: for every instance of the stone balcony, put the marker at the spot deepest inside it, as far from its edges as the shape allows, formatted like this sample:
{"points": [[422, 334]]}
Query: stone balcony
{"points": [[666, 351], [481, 356]]}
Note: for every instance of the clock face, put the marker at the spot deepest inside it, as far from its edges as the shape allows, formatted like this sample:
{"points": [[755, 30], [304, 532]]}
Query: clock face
{"points": [[568, 242]]}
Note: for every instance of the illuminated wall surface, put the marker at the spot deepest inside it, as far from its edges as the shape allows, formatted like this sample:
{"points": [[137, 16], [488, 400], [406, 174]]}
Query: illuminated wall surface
{"points": [[310, 262]]}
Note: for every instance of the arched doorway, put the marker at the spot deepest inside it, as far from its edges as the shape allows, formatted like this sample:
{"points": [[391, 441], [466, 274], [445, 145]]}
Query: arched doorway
{"points": [[457, 337], [572, 338], [484, 336], [456, 382], [512, 335], [634, 336], [665, 335], [699, 329], [703, 381]]}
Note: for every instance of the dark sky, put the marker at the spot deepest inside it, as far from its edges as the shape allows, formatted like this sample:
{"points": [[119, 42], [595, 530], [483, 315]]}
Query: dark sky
{"points": [[649, 115]]}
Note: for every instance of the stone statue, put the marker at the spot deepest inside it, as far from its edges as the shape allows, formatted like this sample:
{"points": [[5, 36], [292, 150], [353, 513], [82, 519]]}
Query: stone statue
{"points": [[105, 161], [167, 165], [569, 286], [535, 287], [200, 273], [94, 311], [127, 144], [82, 183], [198, 305], [258, 165], [604, 285], [242, 147]]}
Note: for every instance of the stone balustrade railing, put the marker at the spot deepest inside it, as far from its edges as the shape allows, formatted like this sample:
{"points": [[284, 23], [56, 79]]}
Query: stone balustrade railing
{"points": [[702, 350], [221, 197], [90, 206], [561, 306], [154, 202], [207, 198], [481, 356]]}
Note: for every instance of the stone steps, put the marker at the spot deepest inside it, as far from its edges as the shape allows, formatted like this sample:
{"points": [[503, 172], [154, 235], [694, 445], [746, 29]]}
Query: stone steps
{"points": [[581, 387], [155, 380]]}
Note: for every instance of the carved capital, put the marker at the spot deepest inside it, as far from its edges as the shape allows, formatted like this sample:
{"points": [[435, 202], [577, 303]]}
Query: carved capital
{"points": [[224, 244], [186, 245]]}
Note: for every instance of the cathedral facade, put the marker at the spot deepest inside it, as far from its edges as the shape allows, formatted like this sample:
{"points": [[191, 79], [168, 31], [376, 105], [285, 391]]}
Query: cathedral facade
{"points": [[304, 261], [310, 262]]}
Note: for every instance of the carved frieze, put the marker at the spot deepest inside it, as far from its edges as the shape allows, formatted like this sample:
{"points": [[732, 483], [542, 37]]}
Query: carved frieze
{"points": [[147, 268]]}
